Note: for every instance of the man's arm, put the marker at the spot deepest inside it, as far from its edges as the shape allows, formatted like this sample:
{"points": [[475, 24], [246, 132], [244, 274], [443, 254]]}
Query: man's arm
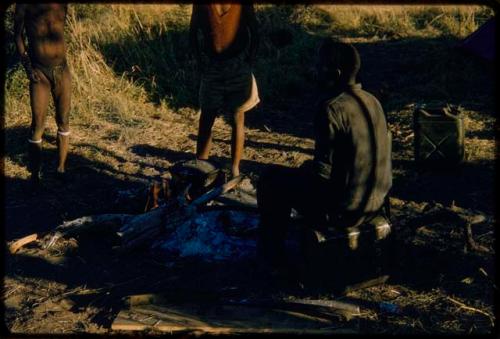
{"points": [[253, 27], [19, 29], [19, 15], [193, 34], [325, 128]]}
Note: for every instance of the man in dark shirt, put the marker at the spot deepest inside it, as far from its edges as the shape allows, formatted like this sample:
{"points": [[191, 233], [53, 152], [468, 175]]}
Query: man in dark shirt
{"points": [[348, 181], [44, 59], [230, 41]]}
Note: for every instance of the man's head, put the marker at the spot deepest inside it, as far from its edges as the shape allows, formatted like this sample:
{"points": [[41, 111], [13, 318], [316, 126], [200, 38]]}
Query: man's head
{"points": [[338, 64]]}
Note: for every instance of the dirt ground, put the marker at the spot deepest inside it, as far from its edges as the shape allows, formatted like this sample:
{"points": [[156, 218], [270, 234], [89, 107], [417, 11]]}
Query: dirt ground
{"points": [[78, 286]]}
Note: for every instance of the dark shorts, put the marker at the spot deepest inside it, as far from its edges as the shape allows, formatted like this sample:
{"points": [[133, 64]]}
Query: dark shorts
{"points": [[228, 86], [53, 73]]}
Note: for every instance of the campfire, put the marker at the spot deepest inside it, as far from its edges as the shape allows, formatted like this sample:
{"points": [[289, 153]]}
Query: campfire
{"points": [[193, 211]]}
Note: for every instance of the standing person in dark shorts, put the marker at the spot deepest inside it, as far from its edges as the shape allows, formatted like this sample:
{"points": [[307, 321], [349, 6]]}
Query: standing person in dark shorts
{"points": [[44, 59], [347, 182], [225, 60]]}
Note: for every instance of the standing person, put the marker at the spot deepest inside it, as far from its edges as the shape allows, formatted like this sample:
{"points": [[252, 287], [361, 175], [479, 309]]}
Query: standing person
{"points": [[225, 60], [44, 60], [347, 182]]}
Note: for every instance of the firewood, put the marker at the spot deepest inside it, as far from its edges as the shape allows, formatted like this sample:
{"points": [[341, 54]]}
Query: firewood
{"points": [[139, 222], [16, 245], [214, 193], [86, 224], [145, 227], [366, 284], [142, 239], [136, 230]]}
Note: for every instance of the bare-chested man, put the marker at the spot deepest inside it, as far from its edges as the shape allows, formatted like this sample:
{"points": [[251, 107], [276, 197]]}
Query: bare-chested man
{"points": [[44, 60], [225, 60]]}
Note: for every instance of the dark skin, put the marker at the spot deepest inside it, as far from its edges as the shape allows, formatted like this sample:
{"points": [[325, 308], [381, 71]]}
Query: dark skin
{"points": [[43, 26], [220, 25]]}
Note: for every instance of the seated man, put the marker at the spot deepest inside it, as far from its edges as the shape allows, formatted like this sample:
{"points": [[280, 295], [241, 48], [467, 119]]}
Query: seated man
{"points": [[230, 41], [45, 62], [348, 181]]}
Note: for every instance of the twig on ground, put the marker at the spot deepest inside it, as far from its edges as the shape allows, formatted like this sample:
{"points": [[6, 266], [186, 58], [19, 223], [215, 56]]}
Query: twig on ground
{"points": [[472, 309], [8, 294], [486, 275]]}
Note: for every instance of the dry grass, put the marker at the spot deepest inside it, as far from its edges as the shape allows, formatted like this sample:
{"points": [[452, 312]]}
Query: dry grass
{"points": [[102, 94], [407, 21], [133, 85]]}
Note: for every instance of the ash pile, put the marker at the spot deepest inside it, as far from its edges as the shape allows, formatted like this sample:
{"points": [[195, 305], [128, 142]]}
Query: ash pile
{"points": [[218, 218], [192, 211]]}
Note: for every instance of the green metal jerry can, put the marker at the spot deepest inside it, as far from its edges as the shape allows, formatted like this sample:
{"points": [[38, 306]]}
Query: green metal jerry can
{"points": [[439, 136]]}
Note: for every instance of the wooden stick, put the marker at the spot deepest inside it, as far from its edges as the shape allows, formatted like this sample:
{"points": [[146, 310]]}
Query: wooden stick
{"points": [[141, 239], [327, 303], [214, 193], [84, 224], [87, 223], [333, 304], [469, 308], [471, 243], [139, 222], [366, 284], [16, 245]]}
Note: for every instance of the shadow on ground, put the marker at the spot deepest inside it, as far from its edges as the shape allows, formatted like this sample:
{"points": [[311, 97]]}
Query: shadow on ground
{"points": [[253, 168], [470, 185]]}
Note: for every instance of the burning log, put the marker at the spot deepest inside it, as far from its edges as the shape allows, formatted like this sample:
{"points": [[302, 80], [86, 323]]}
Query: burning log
{"points": [[148, 226]]}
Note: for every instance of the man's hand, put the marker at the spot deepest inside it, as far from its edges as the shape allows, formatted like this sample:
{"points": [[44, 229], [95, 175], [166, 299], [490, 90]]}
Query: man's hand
{"points": [[33, 76], [30, 72]]}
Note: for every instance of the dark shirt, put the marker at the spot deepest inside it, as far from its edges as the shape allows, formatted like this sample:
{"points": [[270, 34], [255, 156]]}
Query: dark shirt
{"points": [[353, 150]]}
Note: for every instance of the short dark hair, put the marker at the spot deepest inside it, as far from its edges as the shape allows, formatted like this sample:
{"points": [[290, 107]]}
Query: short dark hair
{"points": [[341, 55]]}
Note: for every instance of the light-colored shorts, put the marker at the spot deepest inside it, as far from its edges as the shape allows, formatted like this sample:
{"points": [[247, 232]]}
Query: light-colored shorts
{"points": [[228, 87]]}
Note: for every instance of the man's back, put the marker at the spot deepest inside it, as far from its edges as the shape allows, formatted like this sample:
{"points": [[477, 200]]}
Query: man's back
{"points": [[360, 155], [224, 28]]}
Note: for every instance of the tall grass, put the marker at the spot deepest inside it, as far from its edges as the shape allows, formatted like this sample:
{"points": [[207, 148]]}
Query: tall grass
{"points": [[400, 21], [132, 61]]}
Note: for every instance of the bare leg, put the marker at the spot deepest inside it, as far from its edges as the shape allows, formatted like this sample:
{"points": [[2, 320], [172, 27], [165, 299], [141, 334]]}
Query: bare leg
{"points": [[237, 141], [62, 100], [204, 141], [39, 97]]}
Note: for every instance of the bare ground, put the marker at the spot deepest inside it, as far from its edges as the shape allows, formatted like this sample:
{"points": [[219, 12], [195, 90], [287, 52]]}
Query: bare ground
{"points": [[78, 286]]}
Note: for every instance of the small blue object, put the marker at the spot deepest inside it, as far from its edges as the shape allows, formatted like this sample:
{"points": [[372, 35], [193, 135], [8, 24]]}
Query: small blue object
{"points": [[389, 308]]}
